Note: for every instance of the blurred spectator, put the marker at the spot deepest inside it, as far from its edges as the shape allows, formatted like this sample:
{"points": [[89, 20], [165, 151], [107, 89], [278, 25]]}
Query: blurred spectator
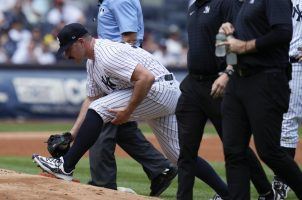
{"points": [[174, 45], [22, 38], [182, 61], [173, 42], [3, 54], [13, 15], [51, 41], [161, 53], [149, 43], [28, 30], [1, 18], [8, 45], [42, 53], [40, 48], [67, 13], [7, 5], [34, 10]]}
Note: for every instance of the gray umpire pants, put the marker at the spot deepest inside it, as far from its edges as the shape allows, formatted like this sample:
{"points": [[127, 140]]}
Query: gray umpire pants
{"points": [[131, 140]]}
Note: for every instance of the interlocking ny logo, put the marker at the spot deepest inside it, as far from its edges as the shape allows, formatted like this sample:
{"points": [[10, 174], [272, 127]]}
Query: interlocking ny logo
{"points": [[206, 9], [108, 83], [297, 11]]}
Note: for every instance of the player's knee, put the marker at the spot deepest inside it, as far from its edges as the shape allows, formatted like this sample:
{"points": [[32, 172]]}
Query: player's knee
{"points": [[102, 112]]}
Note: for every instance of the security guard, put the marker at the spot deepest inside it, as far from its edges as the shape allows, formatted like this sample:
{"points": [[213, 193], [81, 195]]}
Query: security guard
{"points": [[201, 97], [257, 95]]}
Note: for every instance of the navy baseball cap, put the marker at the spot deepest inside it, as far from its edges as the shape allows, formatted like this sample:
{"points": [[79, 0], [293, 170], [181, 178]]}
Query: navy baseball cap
{"points": [[70, 34]]}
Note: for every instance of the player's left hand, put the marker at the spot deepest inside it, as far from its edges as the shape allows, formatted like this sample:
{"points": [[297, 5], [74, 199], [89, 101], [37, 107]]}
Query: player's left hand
{"points": [[219, 85], [122, 115]]}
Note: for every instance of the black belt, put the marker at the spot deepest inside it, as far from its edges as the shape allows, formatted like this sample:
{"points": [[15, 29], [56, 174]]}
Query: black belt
{"points": [[245, 72], [201, 77], [293, 59], [168, 77]]}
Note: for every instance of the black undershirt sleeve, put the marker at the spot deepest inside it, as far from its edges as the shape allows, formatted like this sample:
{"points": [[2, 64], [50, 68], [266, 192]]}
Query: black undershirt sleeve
{"points": [[279, 35]]}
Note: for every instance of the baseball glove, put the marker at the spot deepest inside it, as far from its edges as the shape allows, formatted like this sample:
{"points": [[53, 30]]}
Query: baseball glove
{"points": [[58, 145]]}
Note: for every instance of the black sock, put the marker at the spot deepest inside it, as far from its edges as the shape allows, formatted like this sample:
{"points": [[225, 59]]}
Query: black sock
{"points": [[290, 151], [207, 174], [86, 137]]}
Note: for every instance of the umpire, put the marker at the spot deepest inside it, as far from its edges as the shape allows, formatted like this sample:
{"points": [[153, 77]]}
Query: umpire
{"points": [[257, 95], [201, 96], [122, 20]]}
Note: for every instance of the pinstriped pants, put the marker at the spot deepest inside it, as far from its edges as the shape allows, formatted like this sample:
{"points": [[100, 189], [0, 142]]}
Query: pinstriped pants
{"points": [[293, 118], [157, 109]]}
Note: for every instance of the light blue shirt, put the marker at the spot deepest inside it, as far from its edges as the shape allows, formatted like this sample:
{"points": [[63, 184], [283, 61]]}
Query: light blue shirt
{"points": [[119, 16]]}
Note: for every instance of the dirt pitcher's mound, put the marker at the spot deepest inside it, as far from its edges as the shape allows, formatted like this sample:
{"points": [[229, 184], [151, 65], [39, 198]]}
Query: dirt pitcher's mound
{"points": [[14, 186]]}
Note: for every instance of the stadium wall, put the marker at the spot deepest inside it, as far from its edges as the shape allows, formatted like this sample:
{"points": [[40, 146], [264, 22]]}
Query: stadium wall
{"points": [[45, 92]]}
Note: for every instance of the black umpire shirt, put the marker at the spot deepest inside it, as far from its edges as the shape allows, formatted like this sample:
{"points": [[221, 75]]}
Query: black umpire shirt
{"points": [[204, 19], [255, 20]]}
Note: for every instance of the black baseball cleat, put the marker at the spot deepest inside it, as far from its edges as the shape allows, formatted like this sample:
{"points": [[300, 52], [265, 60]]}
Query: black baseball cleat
{"points": [[163, 181], [53, 166], [280, 189]]}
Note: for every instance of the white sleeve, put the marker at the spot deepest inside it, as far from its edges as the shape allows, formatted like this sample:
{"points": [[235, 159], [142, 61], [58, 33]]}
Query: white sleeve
{"points": [[92, 89]]}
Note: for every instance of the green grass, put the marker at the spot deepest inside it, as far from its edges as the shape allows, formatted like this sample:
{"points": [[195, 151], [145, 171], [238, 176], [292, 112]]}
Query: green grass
{"points": [[62, 126], [65, 126], [42, 126], [130, 174]]}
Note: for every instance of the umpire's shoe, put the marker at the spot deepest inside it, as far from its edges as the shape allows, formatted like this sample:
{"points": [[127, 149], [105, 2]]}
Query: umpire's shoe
{"points": [[163, 181], [53, 166]]}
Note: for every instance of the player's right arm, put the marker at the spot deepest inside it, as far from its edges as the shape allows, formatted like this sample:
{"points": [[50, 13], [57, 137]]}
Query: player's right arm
{"points": [[93, 92], [142, 79], [75, 129]]}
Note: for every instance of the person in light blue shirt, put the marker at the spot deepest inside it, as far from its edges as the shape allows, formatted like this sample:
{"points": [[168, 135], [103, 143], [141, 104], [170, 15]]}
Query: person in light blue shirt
{"points": [[121, 21]]}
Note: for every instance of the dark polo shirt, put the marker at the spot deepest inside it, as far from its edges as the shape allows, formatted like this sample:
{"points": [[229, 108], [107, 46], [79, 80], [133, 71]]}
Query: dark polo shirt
{"points": [[256, 19], [204, 19]]}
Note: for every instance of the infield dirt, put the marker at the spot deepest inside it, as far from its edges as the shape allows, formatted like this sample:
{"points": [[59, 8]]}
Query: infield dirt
{"points": [[15, 186]]}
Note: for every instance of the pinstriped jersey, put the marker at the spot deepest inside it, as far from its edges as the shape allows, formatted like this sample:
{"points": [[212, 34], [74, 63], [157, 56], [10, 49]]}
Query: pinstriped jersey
{"points": [[297, 30], [114, 64]]}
